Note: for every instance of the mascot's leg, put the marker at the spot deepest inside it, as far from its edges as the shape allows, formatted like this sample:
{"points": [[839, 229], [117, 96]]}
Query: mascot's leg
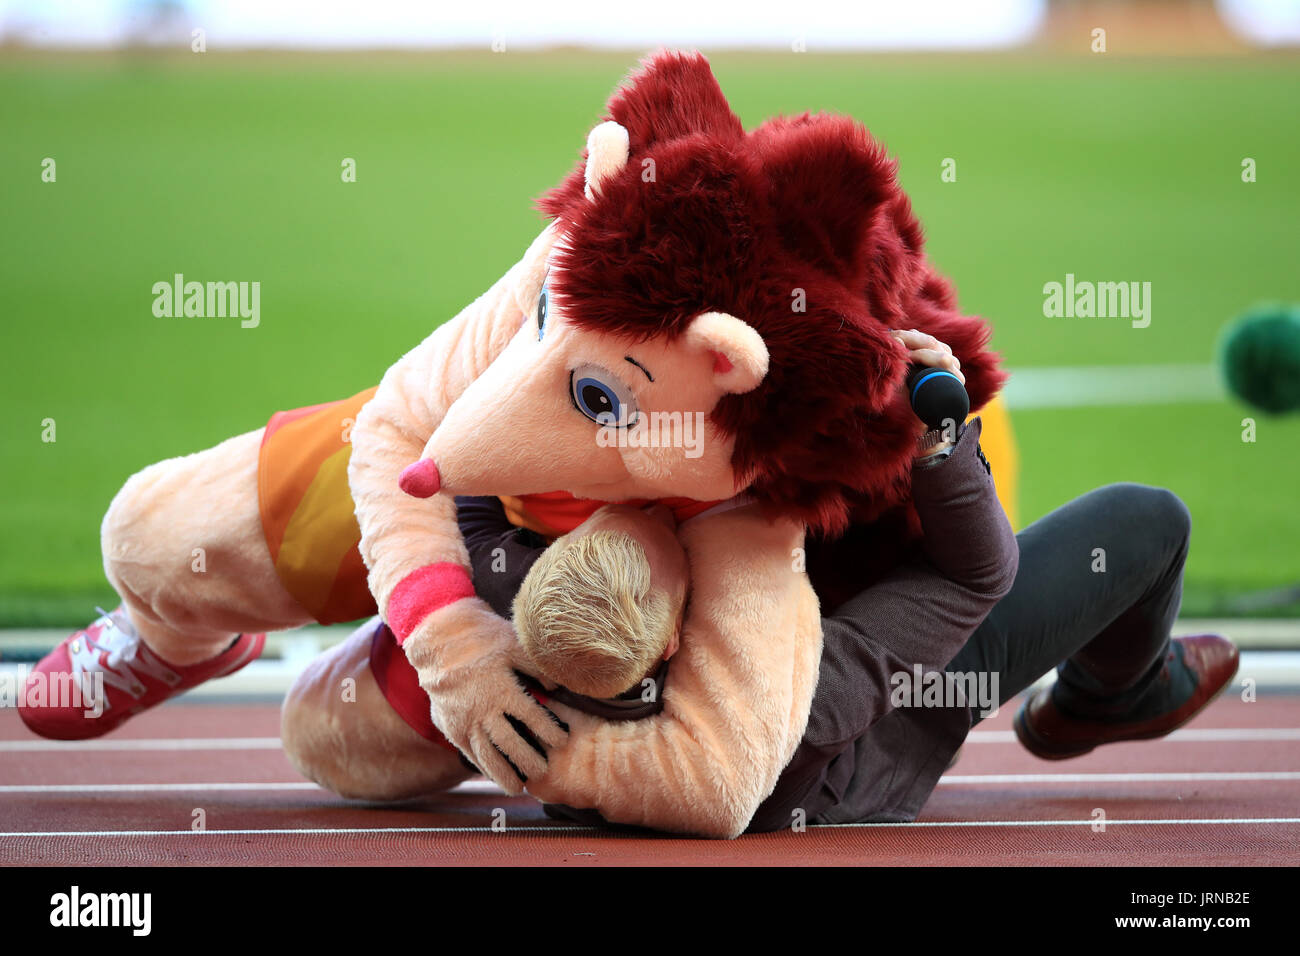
{"points": [[184, 547], [185, 550], [340, 731]]}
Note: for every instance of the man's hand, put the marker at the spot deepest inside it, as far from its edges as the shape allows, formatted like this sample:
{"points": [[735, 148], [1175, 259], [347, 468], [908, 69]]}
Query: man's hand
{"points": [[925, 349], [475, 698]]}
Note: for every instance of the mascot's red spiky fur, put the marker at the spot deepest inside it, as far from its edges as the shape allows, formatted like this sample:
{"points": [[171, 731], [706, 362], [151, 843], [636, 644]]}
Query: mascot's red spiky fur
{"points": [[706, 216]]}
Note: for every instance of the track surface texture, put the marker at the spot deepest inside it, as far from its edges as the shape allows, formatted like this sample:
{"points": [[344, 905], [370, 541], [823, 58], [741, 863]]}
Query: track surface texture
{"points": [[1223, 791]]}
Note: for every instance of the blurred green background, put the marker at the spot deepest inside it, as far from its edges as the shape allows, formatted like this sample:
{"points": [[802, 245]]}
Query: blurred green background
{"points": [[228, 168]]}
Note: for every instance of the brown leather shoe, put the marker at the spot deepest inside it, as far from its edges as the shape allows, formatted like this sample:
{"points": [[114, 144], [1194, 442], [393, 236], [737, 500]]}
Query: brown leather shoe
{"points": [[1048, 733]]}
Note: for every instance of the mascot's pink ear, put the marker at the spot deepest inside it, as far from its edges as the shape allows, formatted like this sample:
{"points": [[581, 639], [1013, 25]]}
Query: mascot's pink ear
{"points": [[738, 352], [672, 96], [606, 155]]}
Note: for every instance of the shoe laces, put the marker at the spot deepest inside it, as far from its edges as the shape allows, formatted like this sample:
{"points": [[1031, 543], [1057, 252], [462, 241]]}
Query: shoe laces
{"points": [[1164, 669], [123, 655]]}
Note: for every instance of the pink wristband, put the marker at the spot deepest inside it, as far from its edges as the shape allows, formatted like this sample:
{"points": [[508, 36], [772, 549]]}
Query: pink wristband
{"points": [[424, 591]]}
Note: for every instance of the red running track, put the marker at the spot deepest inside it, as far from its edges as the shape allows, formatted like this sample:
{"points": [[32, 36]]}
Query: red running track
{"points": [[1225, 790]]}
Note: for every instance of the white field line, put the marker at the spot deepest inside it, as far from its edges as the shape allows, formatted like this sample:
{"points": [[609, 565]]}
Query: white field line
{"points": [[1075, 386], [483, 786], [329, 831]]}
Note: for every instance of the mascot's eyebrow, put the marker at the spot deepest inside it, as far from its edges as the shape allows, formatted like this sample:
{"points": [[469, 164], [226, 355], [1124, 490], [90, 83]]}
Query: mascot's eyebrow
{"points": [[628, 358]]}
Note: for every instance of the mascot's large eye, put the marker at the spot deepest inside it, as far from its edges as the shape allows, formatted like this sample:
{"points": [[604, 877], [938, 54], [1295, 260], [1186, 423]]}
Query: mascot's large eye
{"points": [[543, 302], [599, 395]]}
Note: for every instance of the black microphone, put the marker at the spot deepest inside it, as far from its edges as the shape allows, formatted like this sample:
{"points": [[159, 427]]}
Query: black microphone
{"points": [[937, 396]]}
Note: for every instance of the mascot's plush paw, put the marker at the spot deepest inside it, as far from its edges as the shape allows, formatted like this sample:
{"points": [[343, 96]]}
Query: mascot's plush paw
{"points": [[102, 675], [477, 702]]}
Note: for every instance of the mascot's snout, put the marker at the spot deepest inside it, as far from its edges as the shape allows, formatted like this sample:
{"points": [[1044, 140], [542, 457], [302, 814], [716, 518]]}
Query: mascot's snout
{"points": [[420, 479]]}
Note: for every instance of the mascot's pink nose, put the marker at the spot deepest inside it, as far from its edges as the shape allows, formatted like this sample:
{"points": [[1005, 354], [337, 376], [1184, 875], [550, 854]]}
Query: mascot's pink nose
{"points": [[420, 480]]}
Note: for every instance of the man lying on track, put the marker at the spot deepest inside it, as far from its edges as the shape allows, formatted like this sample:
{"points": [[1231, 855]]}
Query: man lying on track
{"points": [[985, 607]]}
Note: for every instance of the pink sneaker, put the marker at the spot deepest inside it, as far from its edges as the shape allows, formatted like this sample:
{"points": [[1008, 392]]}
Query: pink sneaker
{"points": [[99, 677]]}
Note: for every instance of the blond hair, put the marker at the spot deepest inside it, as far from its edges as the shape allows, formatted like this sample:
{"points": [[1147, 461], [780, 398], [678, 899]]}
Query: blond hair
{"points": [[588, 617]]}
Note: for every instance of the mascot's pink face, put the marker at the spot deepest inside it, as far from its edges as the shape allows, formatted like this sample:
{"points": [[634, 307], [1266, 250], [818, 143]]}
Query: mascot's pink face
{"points": [[566, 408], [594, 413]]}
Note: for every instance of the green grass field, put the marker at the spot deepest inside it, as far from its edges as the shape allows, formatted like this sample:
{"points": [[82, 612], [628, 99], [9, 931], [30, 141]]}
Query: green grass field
{"points": [[228, 168]]}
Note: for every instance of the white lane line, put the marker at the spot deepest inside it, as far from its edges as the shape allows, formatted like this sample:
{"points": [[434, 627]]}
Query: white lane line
{"points": [[1236, 734], [1227, 821], [327, 831], [1210, 734], [469, 786], [1117, 777], [150, 787], [145, 744], [1214, 734], [294, 831], [483, 786]]}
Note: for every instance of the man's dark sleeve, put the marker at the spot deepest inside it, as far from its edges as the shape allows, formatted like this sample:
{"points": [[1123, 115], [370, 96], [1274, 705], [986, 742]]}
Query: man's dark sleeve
{"points": [[499, 553], [921, 613]]}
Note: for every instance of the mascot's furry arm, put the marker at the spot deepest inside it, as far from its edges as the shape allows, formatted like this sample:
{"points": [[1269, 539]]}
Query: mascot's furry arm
{"points": [[413, 547]]}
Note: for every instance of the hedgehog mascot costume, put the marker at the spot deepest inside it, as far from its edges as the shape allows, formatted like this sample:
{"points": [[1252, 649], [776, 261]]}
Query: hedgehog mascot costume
{"points": [[691, 269]]}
